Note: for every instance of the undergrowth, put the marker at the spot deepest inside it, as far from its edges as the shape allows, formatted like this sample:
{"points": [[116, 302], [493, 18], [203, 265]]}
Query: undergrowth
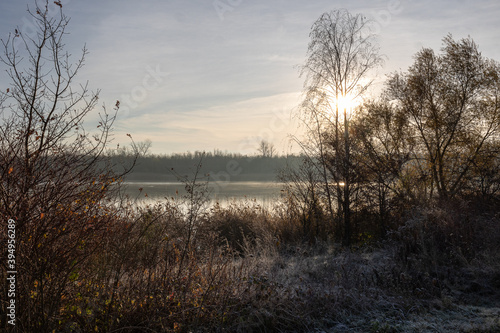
{"points": [[247, 269]]}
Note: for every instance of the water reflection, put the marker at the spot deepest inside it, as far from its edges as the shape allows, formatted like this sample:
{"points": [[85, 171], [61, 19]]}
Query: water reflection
{"points": [[264, 193]]}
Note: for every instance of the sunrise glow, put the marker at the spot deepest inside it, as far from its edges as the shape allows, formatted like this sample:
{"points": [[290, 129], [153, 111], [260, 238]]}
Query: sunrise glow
{"points": [[347, 102]]}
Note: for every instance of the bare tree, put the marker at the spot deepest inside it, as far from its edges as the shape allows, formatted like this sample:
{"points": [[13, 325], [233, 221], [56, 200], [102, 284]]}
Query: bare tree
{"points": [[266, 149], [55, 181], [341, 53], [141, 148]]}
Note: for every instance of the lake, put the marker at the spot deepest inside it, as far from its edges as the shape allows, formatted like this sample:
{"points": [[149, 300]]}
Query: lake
{"points": [[264, 193]]}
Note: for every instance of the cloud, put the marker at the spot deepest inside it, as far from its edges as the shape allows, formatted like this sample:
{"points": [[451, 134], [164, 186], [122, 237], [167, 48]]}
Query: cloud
{"points": [[235, 126], [227, 77]]}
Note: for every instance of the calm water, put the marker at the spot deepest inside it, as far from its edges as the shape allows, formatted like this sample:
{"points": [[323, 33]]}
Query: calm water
{"points": [[264, 193]]}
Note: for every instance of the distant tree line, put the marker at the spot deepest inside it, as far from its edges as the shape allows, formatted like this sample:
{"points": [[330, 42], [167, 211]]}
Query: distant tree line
{"points": [[215, 166]]}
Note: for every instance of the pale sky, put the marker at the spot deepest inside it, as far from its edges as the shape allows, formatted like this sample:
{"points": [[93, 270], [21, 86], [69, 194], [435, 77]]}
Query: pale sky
{"points": [[206, 74]]}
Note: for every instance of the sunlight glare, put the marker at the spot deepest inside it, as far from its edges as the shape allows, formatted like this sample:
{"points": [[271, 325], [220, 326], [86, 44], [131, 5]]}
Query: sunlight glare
{"points": [[347, 102]]}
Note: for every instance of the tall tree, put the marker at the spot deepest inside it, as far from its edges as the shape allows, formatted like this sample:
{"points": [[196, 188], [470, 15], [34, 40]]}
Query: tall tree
{"points": [[452, 100], [341, 53]]}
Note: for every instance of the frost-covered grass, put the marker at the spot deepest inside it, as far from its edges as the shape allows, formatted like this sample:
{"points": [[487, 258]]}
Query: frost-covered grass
{"points": [[243, 268]]}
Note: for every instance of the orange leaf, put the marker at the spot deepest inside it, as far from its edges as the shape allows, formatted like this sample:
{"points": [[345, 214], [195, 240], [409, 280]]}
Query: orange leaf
{"points": [[10, 170], [42, 215]]}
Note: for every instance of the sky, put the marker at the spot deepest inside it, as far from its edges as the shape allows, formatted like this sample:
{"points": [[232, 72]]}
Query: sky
{"points": [[224, 74]]}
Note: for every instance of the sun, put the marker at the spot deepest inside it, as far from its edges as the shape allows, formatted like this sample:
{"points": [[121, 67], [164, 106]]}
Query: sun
{"points": [[346, 102]]}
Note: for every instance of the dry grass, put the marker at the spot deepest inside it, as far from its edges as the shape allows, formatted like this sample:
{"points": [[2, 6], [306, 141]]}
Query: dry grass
{"points": [[242, 270]]}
